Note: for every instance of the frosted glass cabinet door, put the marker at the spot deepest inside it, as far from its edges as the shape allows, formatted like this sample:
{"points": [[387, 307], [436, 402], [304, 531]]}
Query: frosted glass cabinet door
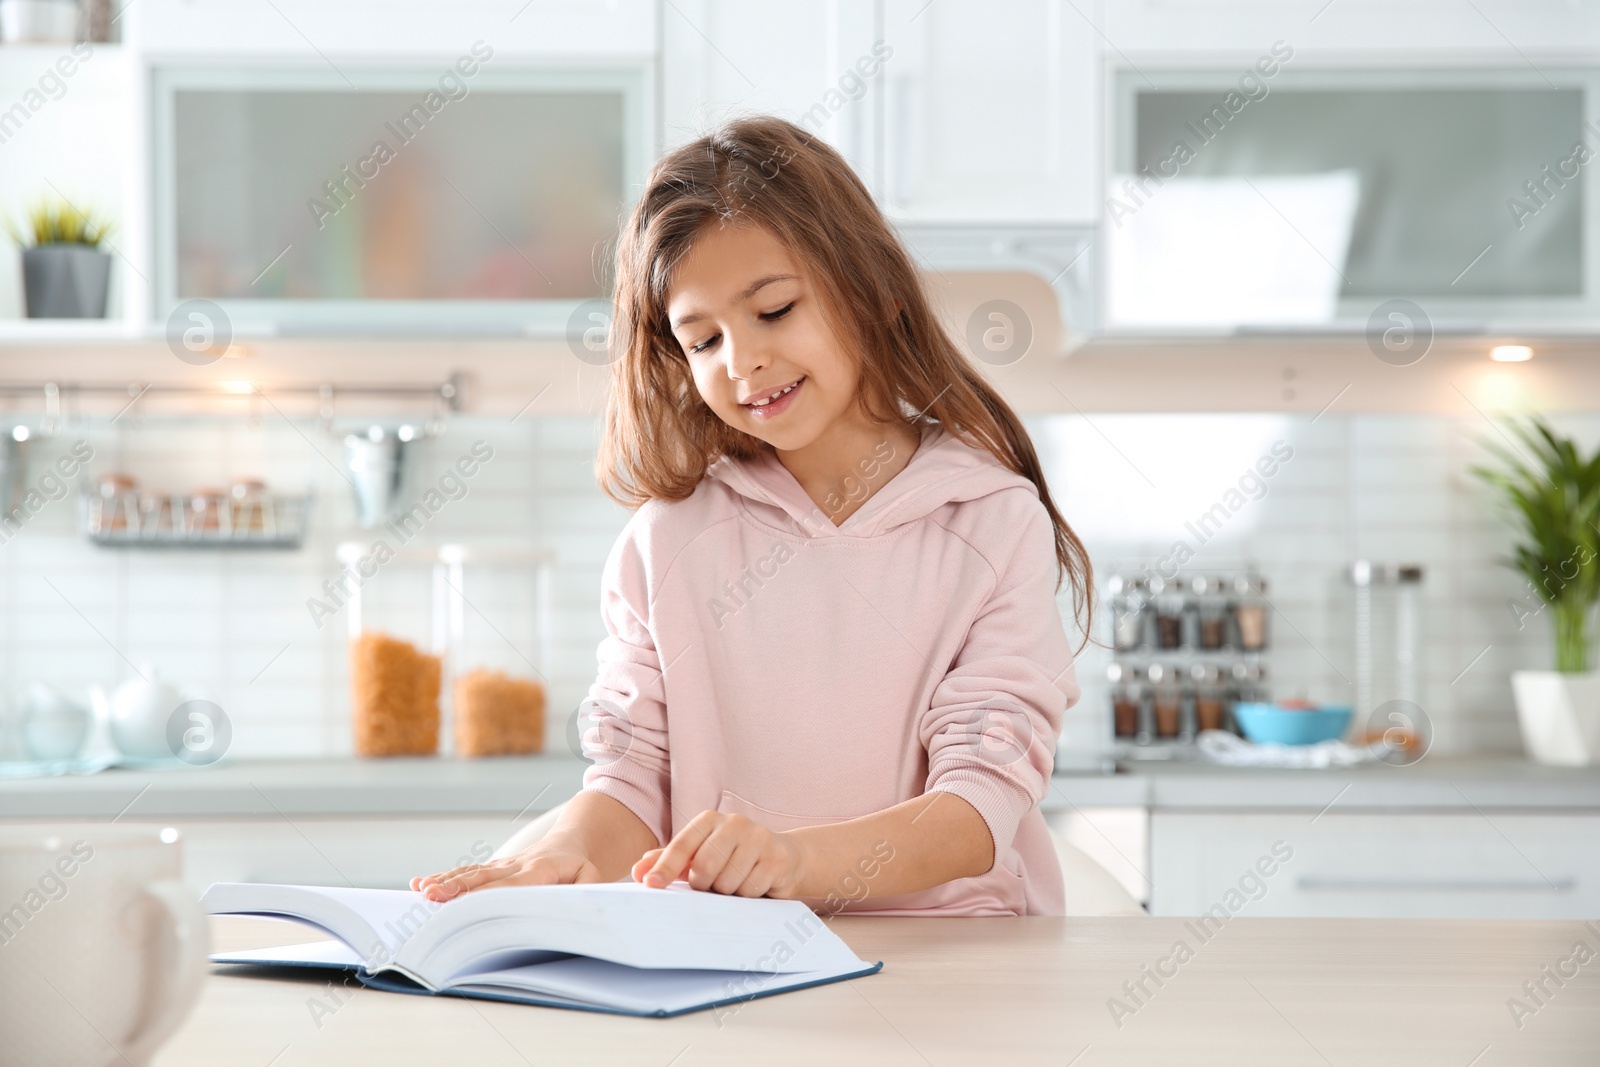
{"points": [[296, 192], [1476, 187], [991, 111]]}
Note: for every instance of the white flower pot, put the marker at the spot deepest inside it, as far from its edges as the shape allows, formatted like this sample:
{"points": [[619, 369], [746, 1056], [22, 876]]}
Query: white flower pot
{"points": [[1559, 715]]}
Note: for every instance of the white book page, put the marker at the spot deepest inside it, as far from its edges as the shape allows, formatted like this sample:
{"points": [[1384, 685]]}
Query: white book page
{"points": [[360, 917], [631, 924]]}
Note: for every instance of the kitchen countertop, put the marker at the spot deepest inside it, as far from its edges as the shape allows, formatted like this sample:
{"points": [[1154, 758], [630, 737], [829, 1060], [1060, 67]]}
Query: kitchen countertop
{"points": [[527, 785], [1019, 991]]}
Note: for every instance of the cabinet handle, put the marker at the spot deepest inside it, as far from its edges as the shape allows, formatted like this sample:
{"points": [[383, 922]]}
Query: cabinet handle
{"points": [[1425, 885]]}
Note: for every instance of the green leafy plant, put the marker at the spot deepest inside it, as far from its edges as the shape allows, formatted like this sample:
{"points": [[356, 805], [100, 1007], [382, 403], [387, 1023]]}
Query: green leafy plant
{"points": [[58, 222], [1553, 492]]}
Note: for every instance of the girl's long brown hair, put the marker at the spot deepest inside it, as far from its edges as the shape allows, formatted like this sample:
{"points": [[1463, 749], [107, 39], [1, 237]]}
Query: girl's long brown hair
{"points": [[660, 436]]}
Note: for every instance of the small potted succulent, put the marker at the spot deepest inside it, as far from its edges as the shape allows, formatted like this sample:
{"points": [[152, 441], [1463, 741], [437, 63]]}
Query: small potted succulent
{"points": [[64, 273], [1552, 490]]}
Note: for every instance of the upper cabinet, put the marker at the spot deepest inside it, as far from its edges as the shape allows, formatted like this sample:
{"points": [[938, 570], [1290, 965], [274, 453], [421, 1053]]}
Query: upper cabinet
{"points": [[469, 195], [952, 111], [819, 63], [1314, 197], [991, 112], [268, 155], [1511, 30], [330, 29]]}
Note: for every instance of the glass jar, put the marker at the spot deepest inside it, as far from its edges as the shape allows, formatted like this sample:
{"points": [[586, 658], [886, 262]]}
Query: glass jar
{"points": [[1141, 693], [1124, 701], [155, 515], [1169, 600], [1210, 613], [1208, 699], [1248, 685], [1166, 700], [1249, 607], [1388, 636], [1128, 604], [205, 512], [246, 498]]}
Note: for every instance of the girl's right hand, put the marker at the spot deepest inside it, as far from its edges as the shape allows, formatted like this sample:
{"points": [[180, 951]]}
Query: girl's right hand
{"points": [[542, 863]]}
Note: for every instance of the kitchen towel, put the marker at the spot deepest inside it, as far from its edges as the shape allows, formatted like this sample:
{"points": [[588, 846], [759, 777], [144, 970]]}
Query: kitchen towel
{"points": [[1219, 746]]}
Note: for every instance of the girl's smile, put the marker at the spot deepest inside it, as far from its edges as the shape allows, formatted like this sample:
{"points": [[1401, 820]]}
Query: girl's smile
{"points": [[771, 404]]}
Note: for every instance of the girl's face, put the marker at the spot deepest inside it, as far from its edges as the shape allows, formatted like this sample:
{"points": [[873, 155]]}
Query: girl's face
{"points": [[752, 326]]}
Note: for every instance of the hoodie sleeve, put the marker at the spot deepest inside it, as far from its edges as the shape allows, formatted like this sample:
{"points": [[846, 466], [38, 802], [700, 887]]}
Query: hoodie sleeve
{"points": [[626, 728], [992, 726]]}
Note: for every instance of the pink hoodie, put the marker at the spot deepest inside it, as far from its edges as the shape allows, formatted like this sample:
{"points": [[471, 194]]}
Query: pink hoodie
{"points": [[762, 660]]}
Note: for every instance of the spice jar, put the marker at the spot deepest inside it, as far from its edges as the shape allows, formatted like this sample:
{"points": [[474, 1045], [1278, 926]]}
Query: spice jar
{"points": [[1210, 612], [1250, 614], [1249, 684], [246, 496], [155, 514], [1167, 700], [1140, 692], [205, 512], [1208, 702], [1128, 604], [1124, 700], [1169, 601], [117, 502]]}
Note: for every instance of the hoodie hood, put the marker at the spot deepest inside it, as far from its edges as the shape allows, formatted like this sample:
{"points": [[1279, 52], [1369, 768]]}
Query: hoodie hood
{"points": [[943, 470]]}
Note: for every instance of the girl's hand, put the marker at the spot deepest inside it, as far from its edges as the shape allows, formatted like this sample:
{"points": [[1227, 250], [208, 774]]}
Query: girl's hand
{"points": [[727, 854], [546, 862]]}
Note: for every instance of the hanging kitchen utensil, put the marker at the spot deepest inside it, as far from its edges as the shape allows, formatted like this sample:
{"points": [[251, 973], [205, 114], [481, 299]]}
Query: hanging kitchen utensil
{"points": [[376, 462]]}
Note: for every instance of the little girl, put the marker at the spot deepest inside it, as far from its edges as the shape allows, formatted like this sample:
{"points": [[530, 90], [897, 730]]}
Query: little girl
{"points": [[835, 668]]}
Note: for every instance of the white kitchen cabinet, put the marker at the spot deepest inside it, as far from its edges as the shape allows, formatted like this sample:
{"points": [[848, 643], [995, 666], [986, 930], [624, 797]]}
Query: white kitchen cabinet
{"points": [[991, 111], [1493, 29], [810, 61], [1378, 865], [328, 29]]}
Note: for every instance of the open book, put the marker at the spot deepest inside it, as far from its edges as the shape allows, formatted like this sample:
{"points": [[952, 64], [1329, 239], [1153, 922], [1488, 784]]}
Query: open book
{"points": [[615, 947]]}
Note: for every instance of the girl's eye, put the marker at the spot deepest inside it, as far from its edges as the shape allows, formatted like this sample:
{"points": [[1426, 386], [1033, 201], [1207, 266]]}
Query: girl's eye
{"points": [[765, 316]]}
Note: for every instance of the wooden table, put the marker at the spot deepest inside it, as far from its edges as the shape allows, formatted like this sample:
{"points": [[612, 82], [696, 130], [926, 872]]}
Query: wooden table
{"points": [[993, 992]]}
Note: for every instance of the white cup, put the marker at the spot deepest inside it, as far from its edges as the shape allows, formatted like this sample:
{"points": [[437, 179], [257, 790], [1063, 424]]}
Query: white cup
{"points": [[102, 948]]}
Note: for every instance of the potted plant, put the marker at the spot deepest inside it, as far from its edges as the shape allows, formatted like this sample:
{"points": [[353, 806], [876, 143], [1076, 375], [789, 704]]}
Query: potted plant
{"points": [[64, 273], [1553, 492]]}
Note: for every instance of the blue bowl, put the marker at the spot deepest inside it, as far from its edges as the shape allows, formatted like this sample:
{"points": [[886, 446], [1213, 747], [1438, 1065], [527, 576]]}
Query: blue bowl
{"points": [[1270, 724]]}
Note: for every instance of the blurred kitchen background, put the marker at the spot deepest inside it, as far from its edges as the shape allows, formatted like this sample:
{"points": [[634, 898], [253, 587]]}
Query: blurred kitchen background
{"points": [[1264, 279], [234, 624]]}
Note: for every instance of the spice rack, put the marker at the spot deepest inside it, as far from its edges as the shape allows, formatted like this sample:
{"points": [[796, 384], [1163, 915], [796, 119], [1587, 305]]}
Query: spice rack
{"points": [[1185, 651], [195, 520]]}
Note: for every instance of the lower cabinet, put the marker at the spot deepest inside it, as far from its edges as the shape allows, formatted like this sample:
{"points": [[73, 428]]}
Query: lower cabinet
{"points": [[1437, 865]]}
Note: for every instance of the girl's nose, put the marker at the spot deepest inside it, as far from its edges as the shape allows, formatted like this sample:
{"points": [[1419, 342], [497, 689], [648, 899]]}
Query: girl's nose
{"points": [[746, 356]]}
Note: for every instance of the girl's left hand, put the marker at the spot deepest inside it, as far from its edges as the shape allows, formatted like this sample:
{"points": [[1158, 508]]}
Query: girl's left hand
{"points": [[726, 854]]}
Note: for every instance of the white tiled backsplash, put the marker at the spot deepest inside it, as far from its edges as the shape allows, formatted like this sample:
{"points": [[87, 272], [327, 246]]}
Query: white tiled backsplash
{"points": [[235, 627]]}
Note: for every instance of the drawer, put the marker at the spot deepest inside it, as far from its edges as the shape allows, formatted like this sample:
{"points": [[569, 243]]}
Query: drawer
{"points": [[1470, 865]]}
